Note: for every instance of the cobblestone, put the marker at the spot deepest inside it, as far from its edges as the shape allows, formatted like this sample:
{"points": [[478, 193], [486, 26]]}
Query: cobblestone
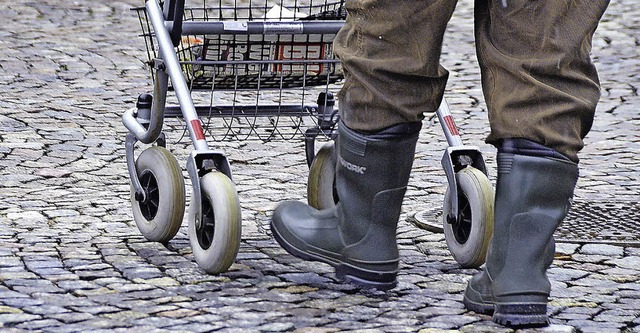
{"points": [[72, 259]]}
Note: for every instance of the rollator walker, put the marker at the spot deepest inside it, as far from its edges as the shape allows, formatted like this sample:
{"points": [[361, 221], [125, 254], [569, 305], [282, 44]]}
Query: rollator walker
{"points": [[261, 70]]}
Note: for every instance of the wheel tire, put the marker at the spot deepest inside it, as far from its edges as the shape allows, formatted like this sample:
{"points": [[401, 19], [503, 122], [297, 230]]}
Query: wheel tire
{"points": [[215, 244], [468, 239], [159, 217], [321, 192]]}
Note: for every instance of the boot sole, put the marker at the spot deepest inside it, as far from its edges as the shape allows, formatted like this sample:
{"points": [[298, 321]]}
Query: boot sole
{"points": [[523, 315], [473, 300], [477, 307], [365, 279]]}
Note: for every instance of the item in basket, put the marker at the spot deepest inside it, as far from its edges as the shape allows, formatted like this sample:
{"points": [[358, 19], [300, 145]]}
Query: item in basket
{"points": [[304, 50], [190, 49], [234, 48], [281, 13]]}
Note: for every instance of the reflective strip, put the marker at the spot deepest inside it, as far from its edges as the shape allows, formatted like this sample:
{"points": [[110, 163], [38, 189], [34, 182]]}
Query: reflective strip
{"points": [[448, 120], [196, 126]]}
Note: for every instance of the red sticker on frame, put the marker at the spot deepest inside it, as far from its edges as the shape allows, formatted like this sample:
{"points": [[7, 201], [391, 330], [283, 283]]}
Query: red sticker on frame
{"points": [[196, 125], [451, 125]]}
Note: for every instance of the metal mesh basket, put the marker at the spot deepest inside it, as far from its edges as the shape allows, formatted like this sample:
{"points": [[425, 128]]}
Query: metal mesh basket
{"points": [[265, 85], [275, 59]]}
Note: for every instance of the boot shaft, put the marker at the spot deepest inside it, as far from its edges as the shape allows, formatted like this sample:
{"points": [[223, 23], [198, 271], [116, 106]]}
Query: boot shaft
{"points": [[533, 196], [525, 182], [371, 177]]}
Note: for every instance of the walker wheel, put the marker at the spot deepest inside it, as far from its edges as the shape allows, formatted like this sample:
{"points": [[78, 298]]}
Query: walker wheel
{"points": [[321, 192], [469, 234], [159, 215], [215, 239]]}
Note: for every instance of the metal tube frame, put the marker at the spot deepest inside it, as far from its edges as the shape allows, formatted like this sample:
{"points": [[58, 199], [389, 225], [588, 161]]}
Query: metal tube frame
{"points": [[201, 160], [172, 67], [456, 157]]}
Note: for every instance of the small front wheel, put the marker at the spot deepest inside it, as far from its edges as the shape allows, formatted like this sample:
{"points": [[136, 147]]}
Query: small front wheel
{"points": [[215, 239], [469, 234], [321, 193], [159, 215]]}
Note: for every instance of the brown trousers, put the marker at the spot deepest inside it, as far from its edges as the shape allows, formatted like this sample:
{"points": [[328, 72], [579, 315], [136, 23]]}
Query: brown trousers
{"points": [[537, 76]]}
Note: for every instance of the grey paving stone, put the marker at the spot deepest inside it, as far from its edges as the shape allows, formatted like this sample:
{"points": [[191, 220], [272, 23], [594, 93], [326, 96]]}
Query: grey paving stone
{"points": [[602, 249], [44, 324], [13, 318]]}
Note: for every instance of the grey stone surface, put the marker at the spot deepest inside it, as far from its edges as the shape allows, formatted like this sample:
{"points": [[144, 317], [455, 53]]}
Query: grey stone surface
{"points": [[72, 258]]}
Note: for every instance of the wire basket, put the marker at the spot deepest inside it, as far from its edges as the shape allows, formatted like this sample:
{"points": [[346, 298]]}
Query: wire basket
{"points": [[265, 85], [271, 60]]}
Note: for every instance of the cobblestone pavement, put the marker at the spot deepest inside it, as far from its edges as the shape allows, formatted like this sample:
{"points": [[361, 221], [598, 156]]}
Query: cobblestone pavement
{"points": [[72, 259]]}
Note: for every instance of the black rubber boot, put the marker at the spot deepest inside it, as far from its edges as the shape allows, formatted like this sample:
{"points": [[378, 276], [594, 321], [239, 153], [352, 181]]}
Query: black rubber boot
{"points": [[358, 236], [533, 196]]}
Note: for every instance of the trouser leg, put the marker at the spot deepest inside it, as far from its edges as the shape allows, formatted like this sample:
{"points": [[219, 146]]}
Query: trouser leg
{"points": [[390, 53], [537, 76], [539, 85]]}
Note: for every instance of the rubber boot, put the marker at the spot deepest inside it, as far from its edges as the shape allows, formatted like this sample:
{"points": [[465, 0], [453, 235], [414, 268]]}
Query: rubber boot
{"points": [[358, 235], [533, 196]]}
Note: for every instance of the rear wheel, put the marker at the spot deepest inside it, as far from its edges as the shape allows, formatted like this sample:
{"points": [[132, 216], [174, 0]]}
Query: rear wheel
{"points": [[469, 234], [321, 184]]}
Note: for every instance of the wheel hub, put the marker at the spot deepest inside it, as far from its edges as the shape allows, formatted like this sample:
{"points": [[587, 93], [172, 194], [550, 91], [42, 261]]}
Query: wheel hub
{"points": [[205, 228], [461, 225], [149, 206]]}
